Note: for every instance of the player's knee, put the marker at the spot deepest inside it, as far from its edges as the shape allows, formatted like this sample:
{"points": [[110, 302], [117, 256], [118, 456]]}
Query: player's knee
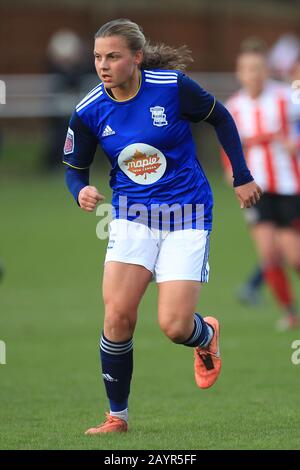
{"points": [[174, 329], [118, 322]]}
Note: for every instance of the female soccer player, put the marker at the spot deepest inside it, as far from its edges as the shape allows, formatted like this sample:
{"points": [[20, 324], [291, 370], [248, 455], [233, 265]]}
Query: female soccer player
{"points": [[267, 122], [140, 115]]}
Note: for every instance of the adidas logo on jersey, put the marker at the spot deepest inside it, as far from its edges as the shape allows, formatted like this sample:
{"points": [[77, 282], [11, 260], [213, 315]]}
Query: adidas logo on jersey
{"points": [[107, 131]]}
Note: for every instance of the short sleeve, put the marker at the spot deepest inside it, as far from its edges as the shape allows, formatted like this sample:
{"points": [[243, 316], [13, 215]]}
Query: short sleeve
{"points": [[196, 104], [80, 144]]}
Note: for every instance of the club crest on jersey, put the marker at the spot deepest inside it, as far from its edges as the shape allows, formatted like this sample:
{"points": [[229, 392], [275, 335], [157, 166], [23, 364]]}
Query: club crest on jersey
{"points": [[142, 163], [69, 143], [159, 117]]}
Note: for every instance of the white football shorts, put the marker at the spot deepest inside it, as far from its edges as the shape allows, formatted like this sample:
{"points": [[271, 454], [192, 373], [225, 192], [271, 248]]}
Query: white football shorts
{"points": [[169, 255]]}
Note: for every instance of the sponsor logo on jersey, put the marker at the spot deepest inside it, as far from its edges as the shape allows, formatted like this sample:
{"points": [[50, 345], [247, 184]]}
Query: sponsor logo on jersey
{"points": [[142, 163], [158, 115], [69, 143]]}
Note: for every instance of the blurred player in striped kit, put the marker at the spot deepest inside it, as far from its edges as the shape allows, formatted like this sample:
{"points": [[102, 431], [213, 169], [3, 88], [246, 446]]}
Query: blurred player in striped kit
{"points": [[267, 121]]}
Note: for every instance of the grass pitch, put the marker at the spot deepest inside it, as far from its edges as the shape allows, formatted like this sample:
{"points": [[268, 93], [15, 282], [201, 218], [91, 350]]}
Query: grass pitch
{"points": [[51, 315]]}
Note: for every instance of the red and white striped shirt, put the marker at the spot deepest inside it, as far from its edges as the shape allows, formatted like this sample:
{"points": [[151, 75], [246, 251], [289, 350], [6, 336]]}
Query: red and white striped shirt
{"points": [[262, 123]]}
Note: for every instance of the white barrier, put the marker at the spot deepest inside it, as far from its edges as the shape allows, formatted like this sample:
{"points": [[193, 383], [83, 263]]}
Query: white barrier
{"points": [[36, 96]]}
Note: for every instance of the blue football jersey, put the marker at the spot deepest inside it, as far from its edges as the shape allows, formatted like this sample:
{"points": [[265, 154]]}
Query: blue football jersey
{"points": [[149, 144]]}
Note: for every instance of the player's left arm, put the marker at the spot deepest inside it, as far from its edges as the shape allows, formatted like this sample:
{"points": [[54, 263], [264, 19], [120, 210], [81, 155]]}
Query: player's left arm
{"points": [[197, 105]]}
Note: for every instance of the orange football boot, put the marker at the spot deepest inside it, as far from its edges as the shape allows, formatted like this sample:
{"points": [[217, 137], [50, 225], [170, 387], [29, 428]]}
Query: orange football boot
{"points": [[207, 363], [111, 424]]}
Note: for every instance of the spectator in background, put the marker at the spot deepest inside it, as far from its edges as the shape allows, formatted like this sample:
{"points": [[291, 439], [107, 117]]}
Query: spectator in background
{"points": [[265, 117], [283, 57], [67, 58]]}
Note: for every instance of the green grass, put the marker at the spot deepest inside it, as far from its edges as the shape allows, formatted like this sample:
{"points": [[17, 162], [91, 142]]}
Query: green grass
{"points": [[51, 316]]}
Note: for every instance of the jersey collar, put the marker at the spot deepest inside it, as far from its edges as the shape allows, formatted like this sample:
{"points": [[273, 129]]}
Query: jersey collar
{"points": [[141, 85]]}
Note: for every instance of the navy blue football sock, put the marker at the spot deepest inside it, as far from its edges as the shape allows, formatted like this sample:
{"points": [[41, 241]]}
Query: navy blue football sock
{"points": [[256, 279], [117, 365], [202, 333]]}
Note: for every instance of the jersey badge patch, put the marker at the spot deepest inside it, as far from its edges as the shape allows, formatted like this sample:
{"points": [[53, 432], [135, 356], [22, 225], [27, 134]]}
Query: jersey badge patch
{"points": [[159, 117], [69, 143]]}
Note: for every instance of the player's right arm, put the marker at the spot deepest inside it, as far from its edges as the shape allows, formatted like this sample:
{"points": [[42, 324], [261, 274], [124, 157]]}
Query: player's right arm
{"points": [[79, 150]]}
